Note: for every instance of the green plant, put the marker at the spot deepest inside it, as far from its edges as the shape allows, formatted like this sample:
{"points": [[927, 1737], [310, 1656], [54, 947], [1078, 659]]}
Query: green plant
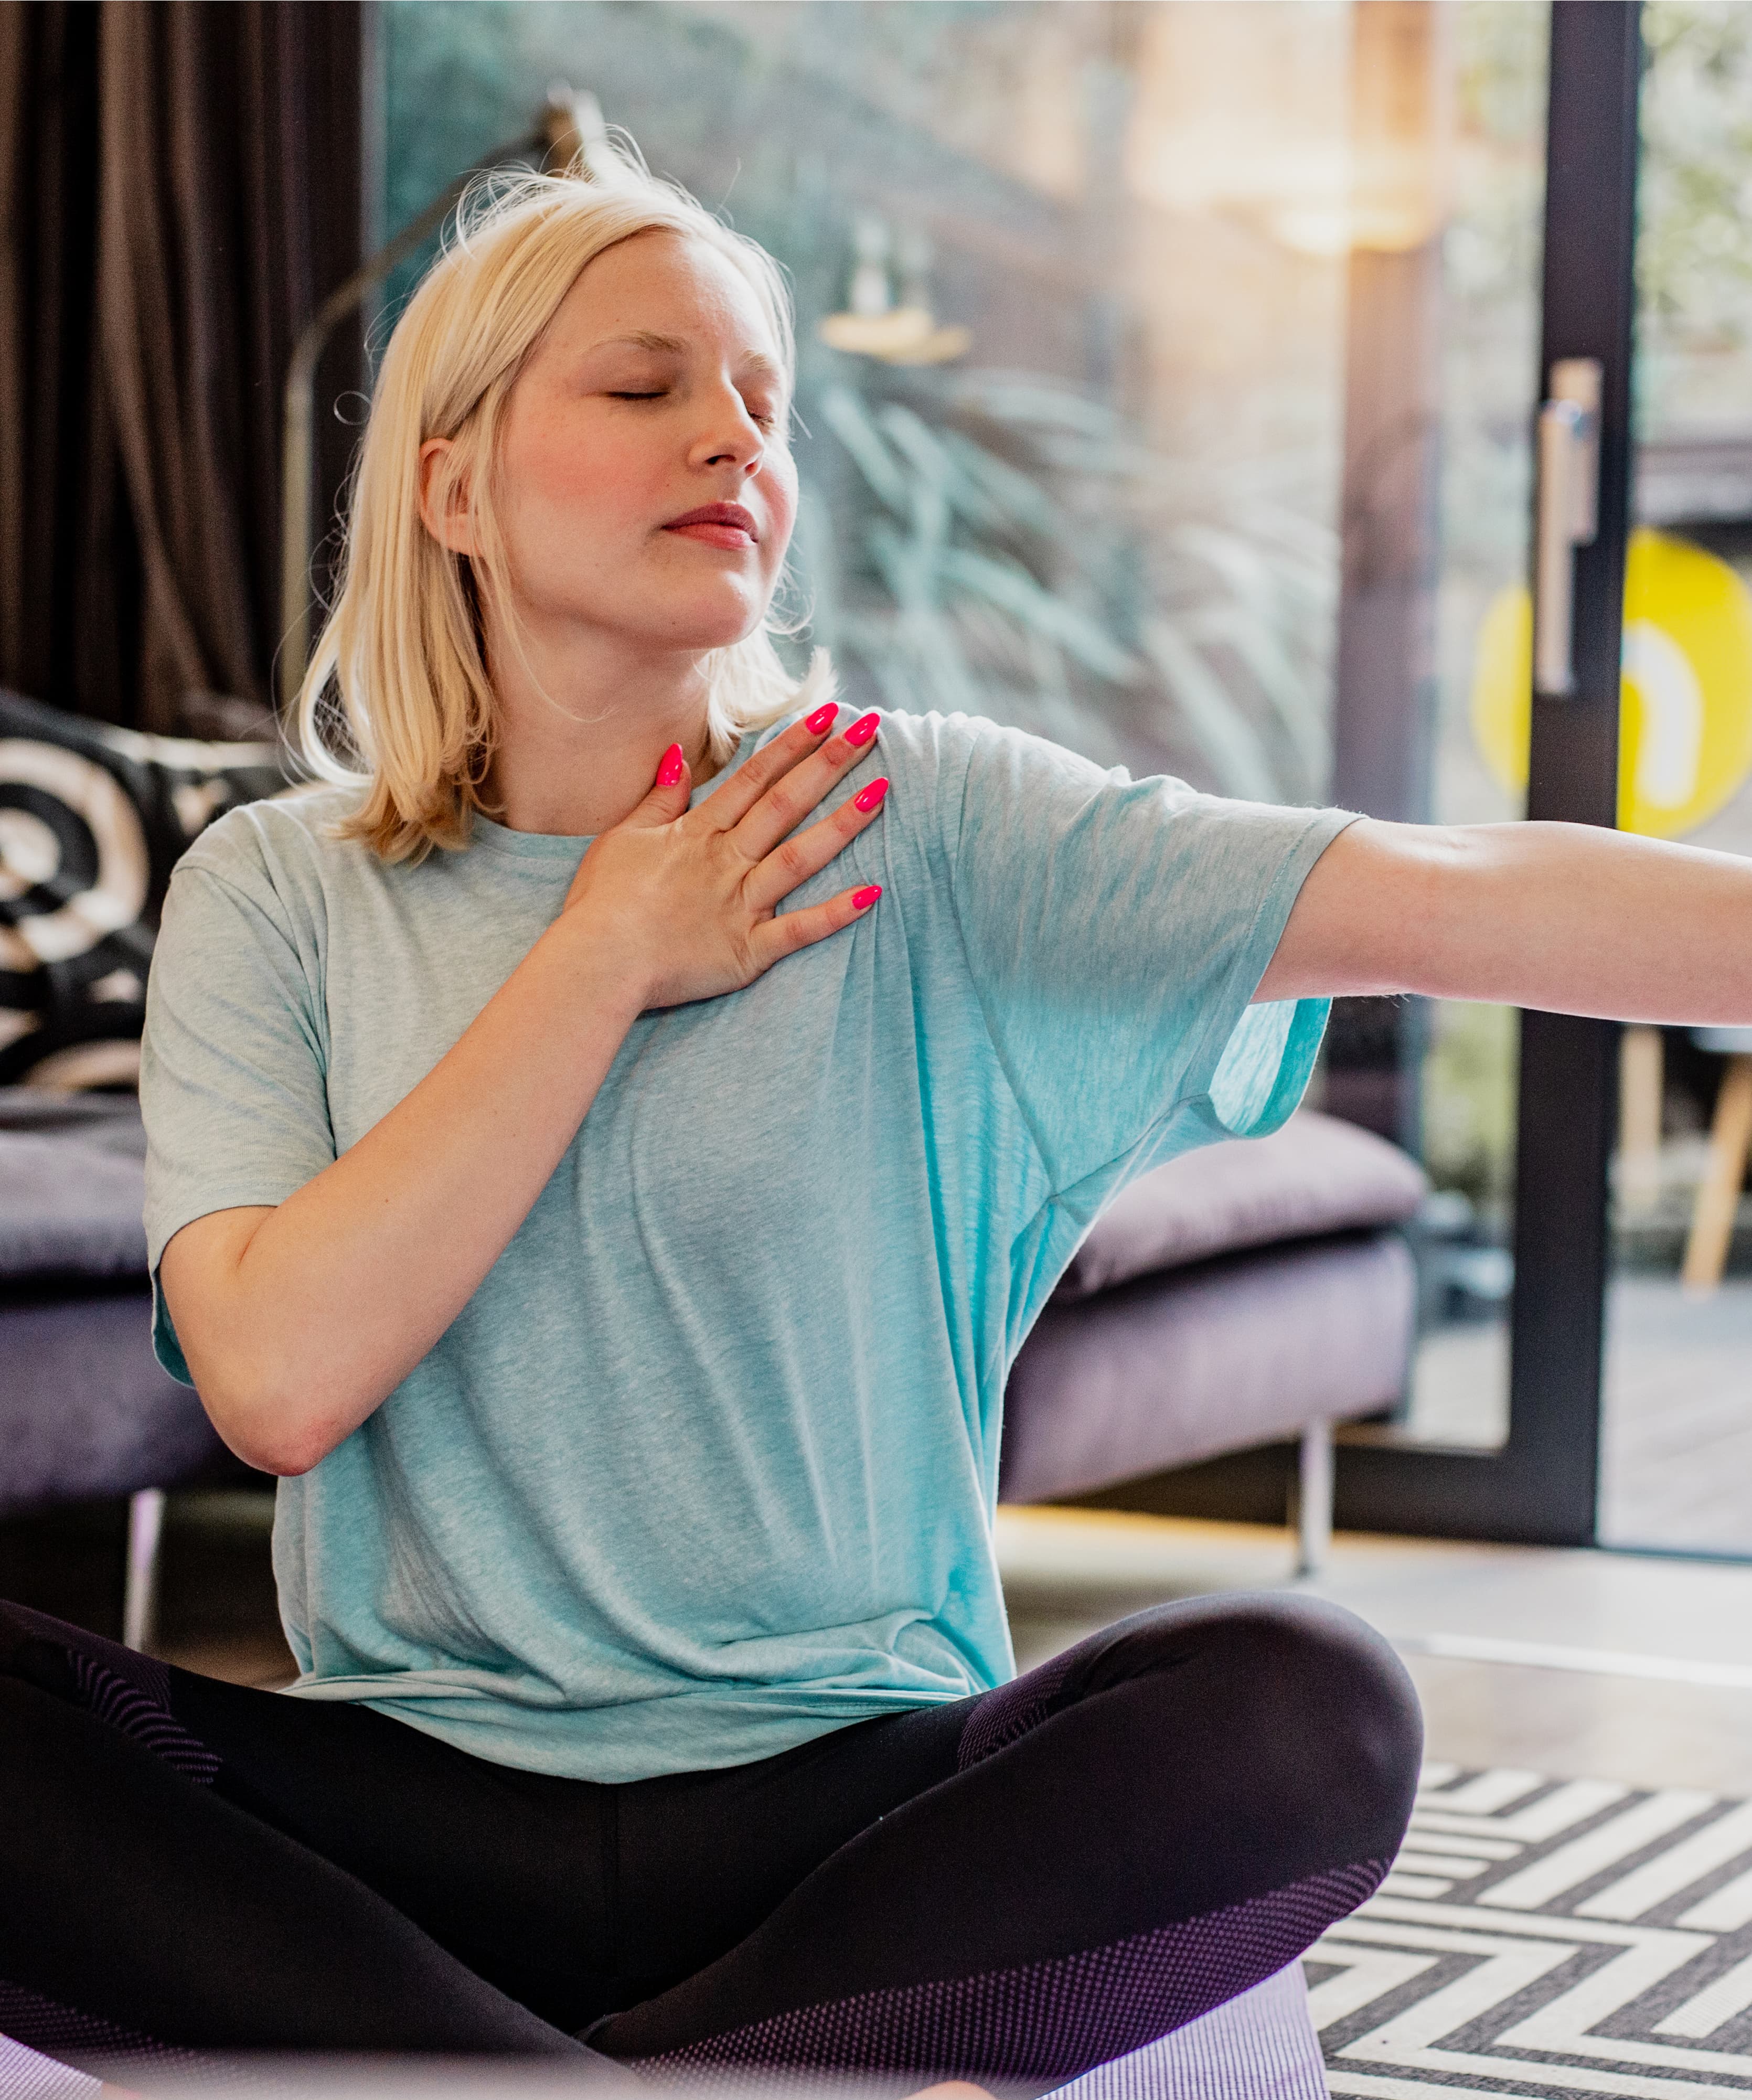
{"points": [[1470, 1076], [1694, 247], [1003, 545]]}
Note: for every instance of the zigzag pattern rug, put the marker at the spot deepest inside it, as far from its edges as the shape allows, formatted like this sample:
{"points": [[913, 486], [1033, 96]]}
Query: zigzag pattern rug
{"points": [[1564, 1939]]}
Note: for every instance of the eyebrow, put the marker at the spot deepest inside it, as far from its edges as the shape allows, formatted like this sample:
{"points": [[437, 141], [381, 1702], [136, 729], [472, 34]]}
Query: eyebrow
{"points": [[757, 360], [643, 339]]}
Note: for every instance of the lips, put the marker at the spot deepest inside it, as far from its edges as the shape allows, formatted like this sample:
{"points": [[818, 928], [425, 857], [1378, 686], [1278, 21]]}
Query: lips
{"points": [[725, 525]]}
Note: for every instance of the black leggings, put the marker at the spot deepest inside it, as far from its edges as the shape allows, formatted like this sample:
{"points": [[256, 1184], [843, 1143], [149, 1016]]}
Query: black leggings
{"points": [[1016, 1886]]}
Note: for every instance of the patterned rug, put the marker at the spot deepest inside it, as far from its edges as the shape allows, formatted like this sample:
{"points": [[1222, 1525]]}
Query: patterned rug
{"points": [[1545, 1937]]}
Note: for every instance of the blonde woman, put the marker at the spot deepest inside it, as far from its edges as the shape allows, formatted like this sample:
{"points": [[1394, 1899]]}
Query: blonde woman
{"points": [[607, 1147]]}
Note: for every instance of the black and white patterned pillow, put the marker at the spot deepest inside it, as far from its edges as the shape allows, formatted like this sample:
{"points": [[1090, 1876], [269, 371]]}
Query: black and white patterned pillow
{"points": [[92, 821]]}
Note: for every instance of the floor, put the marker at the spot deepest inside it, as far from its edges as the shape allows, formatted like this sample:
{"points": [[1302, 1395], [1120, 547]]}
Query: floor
{"points": [[1599, 1664], [223, 1539], [218, 1614], [1676, 1462]]}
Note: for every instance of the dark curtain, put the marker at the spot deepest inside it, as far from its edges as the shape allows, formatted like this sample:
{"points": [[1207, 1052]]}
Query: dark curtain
{"points": [[179, 187]]}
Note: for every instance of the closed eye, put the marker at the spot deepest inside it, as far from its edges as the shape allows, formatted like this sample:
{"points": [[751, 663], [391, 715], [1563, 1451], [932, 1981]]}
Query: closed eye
{"points": [[655, 395]]}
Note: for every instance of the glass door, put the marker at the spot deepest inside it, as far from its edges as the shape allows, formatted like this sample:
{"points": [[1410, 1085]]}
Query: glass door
{"points": [[1500, 1436], [1676, 1471]]}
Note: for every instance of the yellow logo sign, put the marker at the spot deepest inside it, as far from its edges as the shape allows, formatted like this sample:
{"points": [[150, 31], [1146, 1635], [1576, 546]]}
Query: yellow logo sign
{"points": [[1685, 728]]}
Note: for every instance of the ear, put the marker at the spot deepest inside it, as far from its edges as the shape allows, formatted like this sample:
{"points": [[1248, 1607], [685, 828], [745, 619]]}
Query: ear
{"points": [[444, 498]]}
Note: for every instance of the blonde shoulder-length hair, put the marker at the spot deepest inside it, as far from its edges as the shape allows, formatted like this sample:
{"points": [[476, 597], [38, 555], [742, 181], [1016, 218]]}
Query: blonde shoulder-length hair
{"points": [[397, 700]]}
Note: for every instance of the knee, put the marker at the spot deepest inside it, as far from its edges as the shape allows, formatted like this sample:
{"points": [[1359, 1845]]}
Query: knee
{"points": [[1327, 1662], [1300, 1700], [1333, 1706]]}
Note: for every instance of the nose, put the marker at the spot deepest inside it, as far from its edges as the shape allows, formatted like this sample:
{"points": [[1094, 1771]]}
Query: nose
{"points": [[729, 436]]}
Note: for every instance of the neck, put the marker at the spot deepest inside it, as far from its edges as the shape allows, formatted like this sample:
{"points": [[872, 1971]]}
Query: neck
{"points": [[582, 726]]}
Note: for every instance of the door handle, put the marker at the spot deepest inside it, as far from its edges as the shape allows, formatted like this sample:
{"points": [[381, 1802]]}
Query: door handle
{"points": [[1566, 516]]}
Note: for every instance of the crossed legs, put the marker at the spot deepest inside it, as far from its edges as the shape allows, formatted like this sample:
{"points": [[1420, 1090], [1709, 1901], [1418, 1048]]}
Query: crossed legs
{"points": [[1013, 1887]]}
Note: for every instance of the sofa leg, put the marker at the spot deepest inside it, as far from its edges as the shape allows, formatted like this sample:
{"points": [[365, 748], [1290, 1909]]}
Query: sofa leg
{"points": [[139, 1596], [1313, 1501]]}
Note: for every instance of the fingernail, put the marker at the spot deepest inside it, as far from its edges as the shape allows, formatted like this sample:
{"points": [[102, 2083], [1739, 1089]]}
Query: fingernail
{"points": [[862, 899], [866, 798], [822, 721], [669, 771], [862, 729]]}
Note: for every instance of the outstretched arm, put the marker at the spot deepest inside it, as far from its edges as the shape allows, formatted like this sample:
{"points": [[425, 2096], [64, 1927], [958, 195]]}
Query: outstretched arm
{"points": [[1566, 917]]}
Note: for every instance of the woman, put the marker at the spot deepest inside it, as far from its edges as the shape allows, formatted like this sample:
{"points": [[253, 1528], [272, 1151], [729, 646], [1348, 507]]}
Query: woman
{"points": [[607, 1150]]}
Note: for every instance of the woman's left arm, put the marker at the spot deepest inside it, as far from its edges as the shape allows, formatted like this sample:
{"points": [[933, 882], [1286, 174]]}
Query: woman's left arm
{"points": [[1566, 917]]}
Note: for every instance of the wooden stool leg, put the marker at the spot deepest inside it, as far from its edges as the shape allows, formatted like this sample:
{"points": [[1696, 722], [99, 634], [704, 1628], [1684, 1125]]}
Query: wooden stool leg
{"points": [[1712, 1222], [1639, 1087]]}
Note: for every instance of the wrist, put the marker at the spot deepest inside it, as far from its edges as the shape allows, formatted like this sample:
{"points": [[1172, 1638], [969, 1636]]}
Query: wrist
{"points": [[601, 963]]}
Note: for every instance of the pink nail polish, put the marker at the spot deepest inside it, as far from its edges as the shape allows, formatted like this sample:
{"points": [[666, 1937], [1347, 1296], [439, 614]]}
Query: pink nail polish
{"points": [[822, 721], [866, 798], [669, 770], [863, 728], [862, 899]]}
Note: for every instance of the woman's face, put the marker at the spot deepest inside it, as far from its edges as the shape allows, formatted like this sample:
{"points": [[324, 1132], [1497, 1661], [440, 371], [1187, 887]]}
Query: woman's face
{"points": [[646, 488]]}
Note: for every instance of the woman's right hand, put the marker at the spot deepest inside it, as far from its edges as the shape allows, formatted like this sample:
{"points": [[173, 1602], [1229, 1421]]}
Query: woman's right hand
{"points": [[686, 901], [298, 1318]]}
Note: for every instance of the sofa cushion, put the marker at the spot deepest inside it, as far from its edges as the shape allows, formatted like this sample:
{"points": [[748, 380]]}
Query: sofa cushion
{"points": [[1315, 1176], [84, 1411], [72, 1188], [1172, 1369], [92, 820]]}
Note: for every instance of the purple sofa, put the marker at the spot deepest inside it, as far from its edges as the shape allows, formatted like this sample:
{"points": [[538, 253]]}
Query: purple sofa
{"points": [[1246, 1293], [84, 1411]]}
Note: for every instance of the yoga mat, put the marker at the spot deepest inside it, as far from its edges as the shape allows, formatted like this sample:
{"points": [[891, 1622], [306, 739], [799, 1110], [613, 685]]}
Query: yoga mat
{"points": [[1259, 2046]]}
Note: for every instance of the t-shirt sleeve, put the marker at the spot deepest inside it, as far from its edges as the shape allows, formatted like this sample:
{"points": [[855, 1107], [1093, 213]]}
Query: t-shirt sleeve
{"points": [[1116, 930], [232, 1081]]}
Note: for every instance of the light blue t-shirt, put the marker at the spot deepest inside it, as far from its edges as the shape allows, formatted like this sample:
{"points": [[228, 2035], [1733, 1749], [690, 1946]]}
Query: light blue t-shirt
{"points": [[707, 1465]]}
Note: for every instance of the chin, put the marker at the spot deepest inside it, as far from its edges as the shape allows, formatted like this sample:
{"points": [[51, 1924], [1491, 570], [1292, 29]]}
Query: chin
{"points": [[715, 626]]}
